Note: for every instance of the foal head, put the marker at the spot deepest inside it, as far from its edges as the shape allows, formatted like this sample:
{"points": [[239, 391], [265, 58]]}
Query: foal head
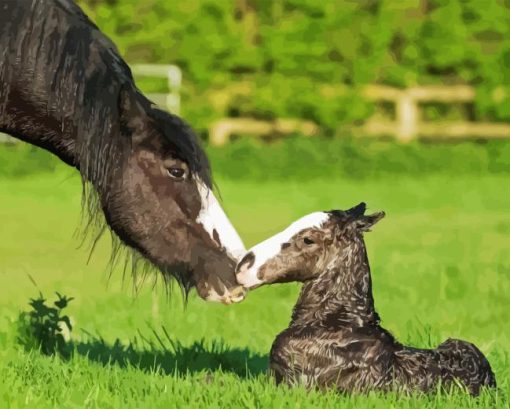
{"points": [[303, 251]]}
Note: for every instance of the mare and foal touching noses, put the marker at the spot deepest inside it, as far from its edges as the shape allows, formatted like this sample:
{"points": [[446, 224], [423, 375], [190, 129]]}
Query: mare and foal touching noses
{"points": [[334, 339], [77, 99]]}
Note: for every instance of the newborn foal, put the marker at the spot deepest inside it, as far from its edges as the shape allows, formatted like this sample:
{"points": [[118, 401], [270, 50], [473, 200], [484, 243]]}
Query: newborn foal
{"points": [[334, 338]]}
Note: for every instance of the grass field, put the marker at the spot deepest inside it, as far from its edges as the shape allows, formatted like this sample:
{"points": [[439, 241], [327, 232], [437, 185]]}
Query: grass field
{"points": [[441, 268]]}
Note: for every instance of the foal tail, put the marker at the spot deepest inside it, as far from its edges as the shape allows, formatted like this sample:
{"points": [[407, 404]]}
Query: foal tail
{"points": [[463, 361]]}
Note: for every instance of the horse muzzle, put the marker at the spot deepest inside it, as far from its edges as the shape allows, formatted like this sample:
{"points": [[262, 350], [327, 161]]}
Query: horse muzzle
{"points": [[235, 295]]}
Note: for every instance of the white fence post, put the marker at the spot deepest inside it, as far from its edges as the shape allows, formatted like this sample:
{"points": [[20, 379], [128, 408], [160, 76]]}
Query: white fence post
{"points": [[173, 74], [173, 99]]}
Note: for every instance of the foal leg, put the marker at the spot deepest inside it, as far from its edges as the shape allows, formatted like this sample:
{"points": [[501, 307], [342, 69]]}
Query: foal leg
{"points": [[287, 364], [347, 365]]}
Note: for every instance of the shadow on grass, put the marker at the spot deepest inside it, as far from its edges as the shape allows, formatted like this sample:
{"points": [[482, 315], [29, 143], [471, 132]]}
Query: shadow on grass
{"points": [[171, 357], [43, 327]]}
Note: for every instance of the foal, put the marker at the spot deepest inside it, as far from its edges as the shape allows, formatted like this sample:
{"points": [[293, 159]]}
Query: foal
{"points": [[334, 338]]}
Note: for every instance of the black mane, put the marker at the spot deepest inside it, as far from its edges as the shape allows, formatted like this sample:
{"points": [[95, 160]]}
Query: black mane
{"points": [[83, 74]]}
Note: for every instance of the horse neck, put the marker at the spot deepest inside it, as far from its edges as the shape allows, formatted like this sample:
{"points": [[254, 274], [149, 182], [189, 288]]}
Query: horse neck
{"points": [[37, 131], [342, 294], [84, 133], [57, 100], [26, 78]]}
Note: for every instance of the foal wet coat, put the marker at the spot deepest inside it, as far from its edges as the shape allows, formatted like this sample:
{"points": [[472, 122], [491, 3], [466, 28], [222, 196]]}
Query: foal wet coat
{"points": [[335, 338]]}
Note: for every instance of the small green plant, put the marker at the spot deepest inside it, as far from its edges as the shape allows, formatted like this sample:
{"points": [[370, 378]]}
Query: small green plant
{"points": [[44, 325]]}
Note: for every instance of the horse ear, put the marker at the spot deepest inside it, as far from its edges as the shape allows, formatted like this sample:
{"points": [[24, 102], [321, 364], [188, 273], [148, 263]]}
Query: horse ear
{"points": [[130, 113], [365, 223]]}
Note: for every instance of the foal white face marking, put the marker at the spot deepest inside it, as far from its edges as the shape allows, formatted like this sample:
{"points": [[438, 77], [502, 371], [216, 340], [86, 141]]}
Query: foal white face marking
{"points": [[216, 223], [266, 250]]}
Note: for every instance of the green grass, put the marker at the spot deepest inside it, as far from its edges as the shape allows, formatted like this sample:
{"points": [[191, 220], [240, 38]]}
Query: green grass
{"points": [[440, 269]]}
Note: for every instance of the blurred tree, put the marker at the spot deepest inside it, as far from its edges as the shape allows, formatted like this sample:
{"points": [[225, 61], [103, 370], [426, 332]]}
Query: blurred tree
{"points": [[301, 53]]}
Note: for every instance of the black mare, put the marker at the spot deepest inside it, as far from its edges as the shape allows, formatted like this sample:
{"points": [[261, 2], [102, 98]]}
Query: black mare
{"points": [[65, 88]]}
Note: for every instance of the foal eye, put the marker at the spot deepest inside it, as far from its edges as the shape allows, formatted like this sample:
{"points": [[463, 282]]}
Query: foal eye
{"points": [[176, 173], [308, 241]]}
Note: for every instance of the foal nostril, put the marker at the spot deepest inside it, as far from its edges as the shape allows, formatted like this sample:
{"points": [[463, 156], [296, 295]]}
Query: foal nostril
{"points": [[246, 262]]}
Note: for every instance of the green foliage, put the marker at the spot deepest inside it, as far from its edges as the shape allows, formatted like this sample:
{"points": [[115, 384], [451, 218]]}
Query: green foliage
{"points": [[43, 327], [21, 159], [295, 50]]}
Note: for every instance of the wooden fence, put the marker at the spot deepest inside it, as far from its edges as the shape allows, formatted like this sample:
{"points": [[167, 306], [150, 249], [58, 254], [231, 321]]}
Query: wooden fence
{"points": [[170, 100], [408, 123]]}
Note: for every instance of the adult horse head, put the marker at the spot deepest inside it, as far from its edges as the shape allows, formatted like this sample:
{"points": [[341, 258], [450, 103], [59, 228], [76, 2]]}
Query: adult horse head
{"points": [[64, 87]]}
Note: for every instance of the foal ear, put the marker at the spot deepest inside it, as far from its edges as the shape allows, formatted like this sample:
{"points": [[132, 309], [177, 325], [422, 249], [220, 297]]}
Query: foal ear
{"points": [[358, 210], [365, 223]]}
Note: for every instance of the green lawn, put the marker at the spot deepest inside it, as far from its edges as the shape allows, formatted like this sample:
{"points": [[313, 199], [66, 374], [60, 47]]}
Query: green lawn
{"points": [[440, 262]]}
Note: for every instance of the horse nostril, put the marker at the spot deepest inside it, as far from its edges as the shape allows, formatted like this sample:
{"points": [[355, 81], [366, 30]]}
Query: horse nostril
{"points": [[246, 262]]}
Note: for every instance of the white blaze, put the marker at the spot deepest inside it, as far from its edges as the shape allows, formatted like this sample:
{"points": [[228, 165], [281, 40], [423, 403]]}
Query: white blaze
{"points": [[271, 247], [212, 217]]}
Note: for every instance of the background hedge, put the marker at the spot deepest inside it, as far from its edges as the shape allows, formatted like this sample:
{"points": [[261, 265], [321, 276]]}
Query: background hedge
{"points": [[298, 55]]}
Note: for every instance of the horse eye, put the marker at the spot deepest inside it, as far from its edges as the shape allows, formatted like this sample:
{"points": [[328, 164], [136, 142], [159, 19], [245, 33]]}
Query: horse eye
{"points": [[308, 241], [176, 173]]}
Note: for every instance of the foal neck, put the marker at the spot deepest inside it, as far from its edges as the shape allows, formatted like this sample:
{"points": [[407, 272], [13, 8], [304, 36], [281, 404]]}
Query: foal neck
{"points": [[342, 295]]}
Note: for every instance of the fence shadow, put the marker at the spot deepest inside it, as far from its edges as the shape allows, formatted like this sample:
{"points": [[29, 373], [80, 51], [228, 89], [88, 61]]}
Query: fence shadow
{"points": [[171, 357]]}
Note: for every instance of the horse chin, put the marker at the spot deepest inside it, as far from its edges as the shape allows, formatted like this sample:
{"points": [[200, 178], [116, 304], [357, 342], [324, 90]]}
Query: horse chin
{"points": [[232, 296], [214, 277]]}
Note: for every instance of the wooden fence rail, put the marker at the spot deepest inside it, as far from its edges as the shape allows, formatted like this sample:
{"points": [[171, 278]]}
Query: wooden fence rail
{"points": [[220, 131]]}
